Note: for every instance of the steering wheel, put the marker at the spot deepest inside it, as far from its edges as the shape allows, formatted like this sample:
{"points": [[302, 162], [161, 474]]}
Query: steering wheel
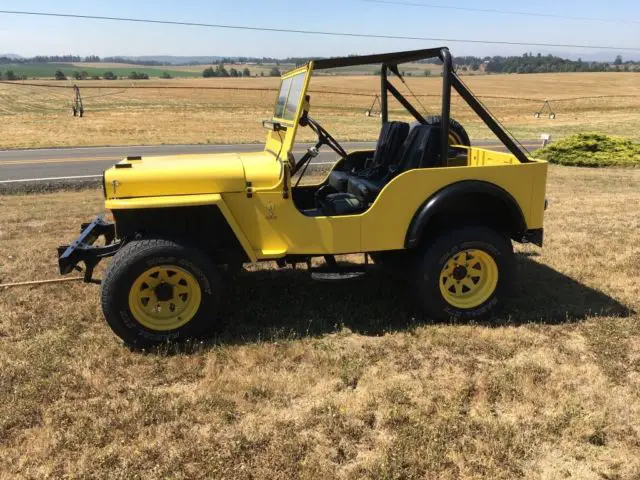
{"points": [[325, 138]]}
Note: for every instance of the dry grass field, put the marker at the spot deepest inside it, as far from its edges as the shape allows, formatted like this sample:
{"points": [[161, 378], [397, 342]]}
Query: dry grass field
{"points": [[35, 117], [308, 380]]}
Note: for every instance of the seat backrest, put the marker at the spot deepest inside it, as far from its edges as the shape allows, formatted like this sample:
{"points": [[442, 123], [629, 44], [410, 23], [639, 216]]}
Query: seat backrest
{"points": [[420, 150], [392, 136]]}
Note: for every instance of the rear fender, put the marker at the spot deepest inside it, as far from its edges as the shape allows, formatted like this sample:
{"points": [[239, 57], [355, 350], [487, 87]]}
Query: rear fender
{"points": [[469, 200]]}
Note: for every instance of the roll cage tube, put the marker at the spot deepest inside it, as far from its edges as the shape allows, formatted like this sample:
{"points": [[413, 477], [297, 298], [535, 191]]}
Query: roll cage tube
{"points": [[390, 62]]}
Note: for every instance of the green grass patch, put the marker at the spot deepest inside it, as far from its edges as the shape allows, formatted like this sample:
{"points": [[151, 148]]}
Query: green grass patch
{"points": [[592, 150], [48, 70]]}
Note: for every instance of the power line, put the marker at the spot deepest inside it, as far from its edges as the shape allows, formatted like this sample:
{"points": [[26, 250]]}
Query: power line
{"points": [[501, 12], [311, 32]]}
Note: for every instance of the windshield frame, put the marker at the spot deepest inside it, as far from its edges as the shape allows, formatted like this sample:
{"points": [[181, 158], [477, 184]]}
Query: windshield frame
{"points": [[303, 73]]}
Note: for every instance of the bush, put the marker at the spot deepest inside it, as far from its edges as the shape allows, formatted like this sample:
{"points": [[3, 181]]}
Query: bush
{"points": [[60, 75], [275, 72], [110, 76], [208, 72], [246, 72], [11, 76], [166, 76], [221, 71], [138, 76], [592, 150]]}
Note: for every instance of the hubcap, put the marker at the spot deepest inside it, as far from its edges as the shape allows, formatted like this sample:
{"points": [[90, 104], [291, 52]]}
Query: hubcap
{"points": [[165, 298], [468, 279]]}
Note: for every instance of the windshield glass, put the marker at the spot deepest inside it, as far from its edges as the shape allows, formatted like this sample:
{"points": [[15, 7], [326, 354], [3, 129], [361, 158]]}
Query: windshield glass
{"points": [[289, 97]]}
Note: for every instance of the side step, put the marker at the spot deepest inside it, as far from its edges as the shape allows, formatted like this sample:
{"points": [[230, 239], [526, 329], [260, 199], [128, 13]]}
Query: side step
{"points": [[333, 272]]}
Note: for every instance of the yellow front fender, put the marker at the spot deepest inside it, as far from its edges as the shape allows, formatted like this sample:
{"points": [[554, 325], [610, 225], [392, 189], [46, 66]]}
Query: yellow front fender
{"points": [[186, 201]]}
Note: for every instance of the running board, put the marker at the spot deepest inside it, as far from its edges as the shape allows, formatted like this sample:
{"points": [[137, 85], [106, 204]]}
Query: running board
{"points": [[332, 271]]}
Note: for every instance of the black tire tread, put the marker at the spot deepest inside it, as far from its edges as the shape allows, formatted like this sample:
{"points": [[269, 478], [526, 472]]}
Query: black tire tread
{"points": [[128, 255], [454, 125], [442, 244]]}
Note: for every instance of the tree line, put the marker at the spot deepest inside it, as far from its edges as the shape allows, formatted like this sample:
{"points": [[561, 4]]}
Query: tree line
{"points": [[60, 75], [221, 71], [538, 63]]}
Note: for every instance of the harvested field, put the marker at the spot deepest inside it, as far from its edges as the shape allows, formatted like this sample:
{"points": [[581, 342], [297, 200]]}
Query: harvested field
{"points": [[308, 380], [36, 117]]}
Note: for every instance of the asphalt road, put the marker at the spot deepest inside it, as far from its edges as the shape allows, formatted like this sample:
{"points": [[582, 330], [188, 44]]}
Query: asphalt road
{"points": [[20, 166]]}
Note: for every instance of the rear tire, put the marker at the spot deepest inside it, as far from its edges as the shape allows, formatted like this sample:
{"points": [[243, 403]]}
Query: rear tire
{"points": [[159, 291], [457, 134], [466, 274]]}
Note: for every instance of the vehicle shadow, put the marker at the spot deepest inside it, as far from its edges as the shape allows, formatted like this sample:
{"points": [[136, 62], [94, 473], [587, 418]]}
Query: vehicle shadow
{"points": [[269, 304]]}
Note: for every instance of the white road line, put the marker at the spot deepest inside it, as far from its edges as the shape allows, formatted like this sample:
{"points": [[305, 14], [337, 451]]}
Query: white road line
{"points": [[49, 179]]}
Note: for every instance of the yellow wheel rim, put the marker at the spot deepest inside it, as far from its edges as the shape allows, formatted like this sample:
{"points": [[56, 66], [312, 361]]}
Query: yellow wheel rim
{"points": [[468, 279], [165, 298]]}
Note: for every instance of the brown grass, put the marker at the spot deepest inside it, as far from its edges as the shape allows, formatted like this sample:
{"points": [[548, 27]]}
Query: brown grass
{"points": [[310, 380], [32, 117]]}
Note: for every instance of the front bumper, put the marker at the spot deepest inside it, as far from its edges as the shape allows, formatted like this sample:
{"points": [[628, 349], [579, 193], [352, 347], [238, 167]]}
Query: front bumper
{"points": [[82, 249]]}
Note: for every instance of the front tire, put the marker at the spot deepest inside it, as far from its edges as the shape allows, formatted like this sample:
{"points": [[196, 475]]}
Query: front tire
{"points": [[466, 274], [159, 291]]}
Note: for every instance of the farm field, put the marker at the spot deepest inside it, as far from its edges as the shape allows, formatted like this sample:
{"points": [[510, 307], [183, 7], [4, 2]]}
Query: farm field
{"points": [[36, 117], [343, 381], [48, 70]]}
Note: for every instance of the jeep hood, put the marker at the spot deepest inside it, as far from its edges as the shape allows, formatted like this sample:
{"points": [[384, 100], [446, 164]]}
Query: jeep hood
{"points": [[191, 174]]}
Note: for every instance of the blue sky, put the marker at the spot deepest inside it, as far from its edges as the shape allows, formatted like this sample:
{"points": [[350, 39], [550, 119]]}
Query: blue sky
{"points": [[30, 35]]}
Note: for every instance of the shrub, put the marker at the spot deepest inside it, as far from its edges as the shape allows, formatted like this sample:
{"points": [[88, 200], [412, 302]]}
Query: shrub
{"points": [[208, 72], [221, 71], [60, 75], [110, 76], [138, 76], [166, 76], [592, 150], [246, 72], [275, 72], [11, 76]]}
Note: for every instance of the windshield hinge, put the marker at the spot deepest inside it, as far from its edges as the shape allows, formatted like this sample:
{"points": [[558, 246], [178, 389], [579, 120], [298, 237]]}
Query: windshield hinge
{"points": [[249, 190]]}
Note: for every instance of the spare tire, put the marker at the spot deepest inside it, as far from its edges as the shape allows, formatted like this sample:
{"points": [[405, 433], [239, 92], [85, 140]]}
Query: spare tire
{"points": [[457, 134]]}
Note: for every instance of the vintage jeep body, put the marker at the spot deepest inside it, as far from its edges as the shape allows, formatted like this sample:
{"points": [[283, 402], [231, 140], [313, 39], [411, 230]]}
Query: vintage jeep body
{"points": [[424, 203]]}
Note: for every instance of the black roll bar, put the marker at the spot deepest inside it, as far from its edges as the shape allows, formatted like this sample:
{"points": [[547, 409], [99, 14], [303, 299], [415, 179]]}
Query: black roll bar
{"points": [[390, 61]]}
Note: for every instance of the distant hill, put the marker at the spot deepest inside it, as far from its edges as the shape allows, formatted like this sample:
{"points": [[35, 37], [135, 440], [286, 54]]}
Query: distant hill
{"points": [[12, 56]]}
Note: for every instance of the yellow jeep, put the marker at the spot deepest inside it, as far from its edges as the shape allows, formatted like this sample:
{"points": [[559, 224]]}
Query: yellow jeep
{"points": [[424, 200]]}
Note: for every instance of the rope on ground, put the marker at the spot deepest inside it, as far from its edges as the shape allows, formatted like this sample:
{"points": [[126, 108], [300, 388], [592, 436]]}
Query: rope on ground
{"points": [[40, 282]]}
